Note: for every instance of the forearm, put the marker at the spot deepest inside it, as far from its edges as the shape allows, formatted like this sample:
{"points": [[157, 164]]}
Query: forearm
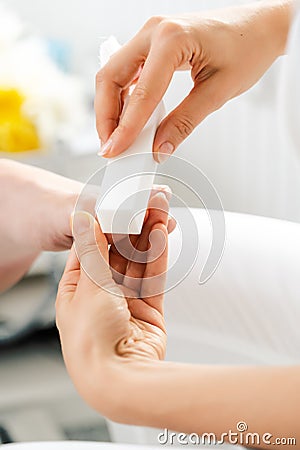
{"points": [[266, 23], [203, 399], [277, 16]]}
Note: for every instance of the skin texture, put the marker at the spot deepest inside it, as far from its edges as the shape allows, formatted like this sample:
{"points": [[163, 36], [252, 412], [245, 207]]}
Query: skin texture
{"points": [[113, 340], [35, 216], [36, 206], [226, 51], [113, 345]]}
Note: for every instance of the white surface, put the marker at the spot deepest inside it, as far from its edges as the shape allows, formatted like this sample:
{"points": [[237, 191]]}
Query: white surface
{"points": [[290, 88], [127, 183], [128, 178], [38, 399], [247, 313]]}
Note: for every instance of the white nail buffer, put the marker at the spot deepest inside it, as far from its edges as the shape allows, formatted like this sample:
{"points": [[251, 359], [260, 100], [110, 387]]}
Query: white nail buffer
{"points": [[128, 180]]}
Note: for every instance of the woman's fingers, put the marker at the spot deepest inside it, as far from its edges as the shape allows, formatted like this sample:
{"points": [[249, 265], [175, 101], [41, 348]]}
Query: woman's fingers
{"points": [[158, 213], [68, 283], [153, 82], [97, 316], [117, 260], [221, 49], [113, 80], [149, 307], [150, 59], [204, 98], [92, 251]]}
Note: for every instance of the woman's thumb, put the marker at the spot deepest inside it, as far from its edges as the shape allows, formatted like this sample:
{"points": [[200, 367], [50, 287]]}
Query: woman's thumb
{"points": [[179, 124], [91, 248]]}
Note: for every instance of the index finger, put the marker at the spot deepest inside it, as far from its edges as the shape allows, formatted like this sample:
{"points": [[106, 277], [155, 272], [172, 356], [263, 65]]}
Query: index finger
{"points": [[152, 84], [111, 82]]}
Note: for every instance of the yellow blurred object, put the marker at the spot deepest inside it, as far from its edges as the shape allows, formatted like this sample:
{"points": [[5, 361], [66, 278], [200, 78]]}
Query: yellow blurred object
{"points": [[17, 132]]}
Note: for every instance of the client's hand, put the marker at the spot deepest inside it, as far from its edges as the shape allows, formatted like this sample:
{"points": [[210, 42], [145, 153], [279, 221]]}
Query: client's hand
{"points": [[35, 216], [110, 308], [113, 338]]}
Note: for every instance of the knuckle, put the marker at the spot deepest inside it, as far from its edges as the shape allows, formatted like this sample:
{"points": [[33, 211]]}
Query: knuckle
{"points": [[169, 29], [124, 129], [140, 93], [153, 22], [86, 249], [62, 290], [143, 94], [101, 76], [184, 126]]}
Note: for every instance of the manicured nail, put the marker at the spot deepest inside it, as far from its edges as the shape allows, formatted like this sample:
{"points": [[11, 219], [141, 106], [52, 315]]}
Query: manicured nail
{"points": [[161, 195], [105, 148], [82, 222], [160, 202], [167, 191], [165, 151]]}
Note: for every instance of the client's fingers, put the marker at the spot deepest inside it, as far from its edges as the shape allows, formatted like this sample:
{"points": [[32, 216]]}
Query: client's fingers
{"points": [[120, 251], [149, 308], [158, 213], [165, 189], [171, 224], [92, 250]]}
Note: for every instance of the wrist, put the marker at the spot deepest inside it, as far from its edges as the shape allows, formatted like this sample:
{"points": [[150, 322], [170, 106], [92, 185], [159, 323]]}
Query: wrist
{"points": [[54, 229], [56, 201], [119, 390], [277, 17]]}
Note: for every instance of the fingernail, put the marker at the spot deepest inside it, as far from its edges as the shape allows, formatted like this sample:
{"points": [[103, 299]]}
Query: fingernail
{"points": [[164, 152], [161, 194], [158, 199], [105, 148], [167, 191], [82, 222]]}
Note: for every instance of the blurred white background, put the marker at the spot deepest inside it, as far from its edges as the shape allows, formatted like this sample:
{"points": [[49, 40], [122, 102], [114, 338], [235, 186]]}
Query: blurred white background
{"points": [[241, 148]]}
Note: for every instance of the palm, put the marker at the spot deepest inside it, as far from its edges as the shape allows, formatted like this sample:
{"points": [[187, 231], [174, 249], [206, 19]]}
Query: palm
{"points": [[125, 298], [149, 340], [142, 284]]}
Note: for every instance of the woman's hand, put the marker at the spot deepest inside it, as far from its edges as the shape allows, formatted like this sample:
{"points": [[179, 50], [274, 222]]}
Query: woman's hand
{"points": [[227, 51], [110, 306], [35, 216], [110, 320]]}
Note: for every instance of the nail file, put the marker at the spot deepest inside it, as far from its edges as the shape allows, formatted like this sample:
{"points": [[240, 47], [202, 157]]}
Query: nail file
{"points": [[128, 178]]}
